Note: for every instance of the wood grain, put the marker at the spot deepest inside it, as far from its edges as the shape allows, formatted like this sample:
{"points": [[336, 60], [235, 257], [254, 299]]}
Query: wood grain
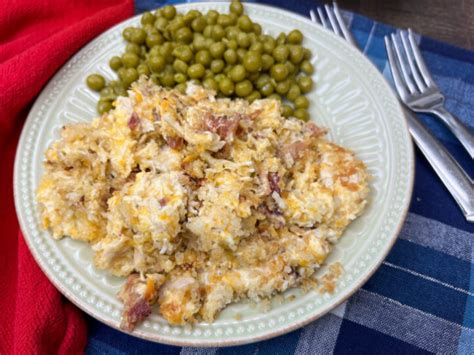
{"points": [[451, 21]]}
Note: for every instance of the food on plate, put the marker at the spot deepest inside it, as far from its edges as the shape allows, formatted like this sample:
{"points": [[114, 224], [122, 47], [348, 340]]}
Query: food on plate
{"points": [[200, 202], [227, 53]]}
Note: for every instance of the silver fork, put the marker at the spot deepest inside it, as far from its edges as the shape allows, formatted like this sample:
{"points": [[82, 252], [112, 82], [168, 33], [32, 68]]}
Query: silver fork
{"points": [[416, 87], [453, 176]]}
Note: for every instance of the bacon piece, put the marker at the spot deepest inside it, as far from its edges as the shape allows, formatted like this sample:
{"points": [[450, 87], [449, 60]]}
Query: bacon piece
{"points": [[274, 179], [175, 142], [255, 114], [134, 121], [223, 126], [137, 296], [314, 130], [156, 115], [163, 201], [296, 149]]}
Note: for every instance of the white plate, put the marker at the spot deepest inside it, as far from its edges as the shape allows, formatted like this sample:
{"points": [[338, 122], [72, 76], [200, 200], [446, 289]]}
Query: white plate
{"points": [[351, 98]]}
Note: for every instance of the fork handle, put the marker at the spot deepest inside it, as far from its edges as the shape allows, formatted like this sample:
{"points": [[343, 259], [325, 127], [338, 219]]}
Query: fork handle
{"points": [[453, 176], [457, 128]]}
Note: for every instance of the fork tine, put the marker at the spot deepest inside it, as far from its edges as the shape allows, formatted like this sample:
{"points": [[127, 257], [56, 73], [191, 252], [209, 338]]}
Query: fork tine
{"points": [[397, 78], [323, 19], [313, 16], [420, 61], [347, 34], [402, 65], [333, 21], [411, 62]]}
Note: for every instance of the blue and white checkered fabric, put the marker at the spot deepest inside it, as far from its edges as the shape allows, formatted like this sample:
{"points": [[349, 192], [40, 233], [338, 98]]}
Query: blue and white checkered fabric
{"points": [[422, 297]]}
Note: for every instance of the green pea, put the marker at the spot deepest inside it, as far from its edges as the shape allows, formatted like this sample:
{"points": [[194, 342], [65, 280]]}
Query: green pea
{"points": [[154, 51], [244, 88], [301, 102], [167, 79], [232, 44], [208, 31], [295, 37], [279, 72], [115, 63], [133, 48], [253, 62], [210, 84], [243, 40], [95, 82], [227, 69], [191, 16], [305, 83], [184, 53], [217, 49], [217, 65], [199, 42], [196, 71], [232, 33], [283, 87], [307, 54], [296, 54], [138, 36], [176, 24], [149, 29], [241, 54], [262, 80], [118, 88], [217, 33], [269, 45], [107, 93], [161, 23], [245, 23], [237, 74], [155, 78], [267, 61], [281, 39], [226, 86], [143, 69], [230, 56], [154, 39], [183, 35], [274, 96], [180, 78], [291, 67], [236, 7], [129, 76], [256, 47], [104, 106], [293, 93], [198, 24], [257, 29], [156, 63], [130, 60], [224, 20], [301, 114], [286, 110], [127, 33], [209, 42], [255, 95], [166, 50], [253, 37], [147, 18], [208, 74], [212, 16], [143, 52], [180, 66], [181, 88], [219, 77], [307, 67], [267, 89], [203, 57], [169, 12], [280, 53], [253, 76]]}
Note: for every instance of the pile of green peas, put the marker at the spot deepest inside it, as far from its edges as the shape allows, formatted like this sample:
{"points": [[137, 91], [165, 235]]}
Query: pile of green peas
{"points": [[224, 52]]}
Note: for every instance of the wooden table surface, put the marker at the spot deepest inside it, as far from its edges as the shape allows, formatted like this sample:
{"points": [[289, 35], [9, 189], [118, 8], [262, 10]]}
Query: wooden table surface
{"points": [[451, 21]]}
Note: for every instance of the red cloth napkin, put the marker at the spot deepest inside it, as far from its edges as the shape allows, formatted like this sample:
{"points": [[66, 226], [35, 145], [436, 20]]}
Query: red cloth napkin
{"points": [[36, 38]]}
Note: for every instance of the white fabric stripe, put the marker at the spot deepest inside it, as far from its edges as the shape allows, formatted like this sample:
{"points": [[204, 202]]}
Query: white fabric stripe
{"points": [[429, 278], [320, 336], [369, 39], [198, 351], [406, 323], [339, 310], [439, 236]]}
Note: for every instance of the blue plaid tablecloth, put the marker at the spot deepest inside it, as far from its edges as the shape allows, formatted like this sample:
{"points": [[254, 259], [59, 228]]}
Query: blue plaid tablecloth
{"points": [[421, 300]]}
